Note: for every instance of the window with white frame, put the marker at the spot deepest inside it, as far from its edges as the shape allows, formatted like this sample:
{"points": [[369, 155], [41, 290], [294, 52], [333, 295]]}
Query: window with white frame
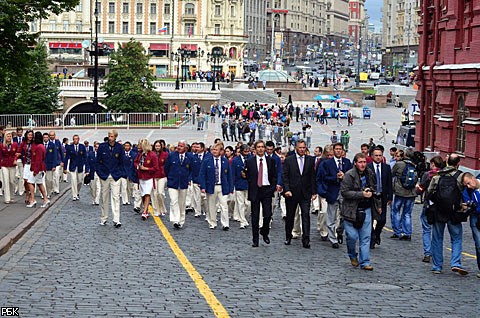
{"points": [[189, 9]]}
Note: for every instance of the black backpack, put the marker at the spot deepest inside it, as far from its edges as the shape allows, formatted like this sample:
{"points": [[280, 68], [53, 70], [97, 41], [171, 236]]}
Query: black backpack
{"points": [[447, 198]]}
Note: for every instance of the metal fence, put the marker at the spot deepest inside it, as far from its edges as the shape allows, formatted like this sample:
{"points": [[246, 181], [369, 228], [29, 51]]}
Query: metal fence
{"points": [[96, 121]]}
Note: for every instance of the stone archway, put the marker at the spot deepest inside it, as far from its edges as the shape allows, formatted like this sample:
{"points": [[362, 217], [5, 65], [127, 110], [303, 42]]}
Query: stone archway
{"points": [[86, 106]]}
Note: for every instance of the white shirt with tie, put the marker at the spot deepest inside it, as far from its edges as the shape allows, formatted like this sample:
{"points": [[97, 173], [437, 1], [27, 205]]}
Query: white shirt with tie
{"points": [[265, 170], [301, 163]]}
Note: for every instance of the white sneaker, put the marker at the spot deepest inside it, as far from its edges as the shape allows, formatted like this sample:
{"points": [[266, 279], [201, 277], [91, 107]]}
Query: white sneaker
{"points": [[157, 214], [103, 223]]}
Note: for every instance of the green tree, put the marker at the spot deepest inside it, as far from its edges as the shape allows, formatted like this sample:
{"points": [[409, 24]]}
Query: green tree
{"points": [[34, 91], [129, 85], [18, 61], [15, 38]]}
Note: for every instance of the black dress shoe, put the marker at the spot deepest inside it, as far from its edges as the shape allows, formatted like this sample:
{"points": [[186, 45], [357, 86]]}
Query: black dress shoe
{"points": [[340, 238], [226, 228], [335, 245], [405, 238], [394, 236], [324, 238], [266, 239], [378, 240], [315, 212], [176, 225], [137, 210], [306, 245], [288, 242], [372, 246], [254, 244]]}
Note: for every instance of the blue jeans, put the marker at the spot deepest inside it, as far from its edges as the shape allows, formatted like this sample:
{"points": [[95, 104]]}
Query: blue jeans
{"points": [[426, 234], [476, 235], [455, 231], [363, 236], [402, 223]]}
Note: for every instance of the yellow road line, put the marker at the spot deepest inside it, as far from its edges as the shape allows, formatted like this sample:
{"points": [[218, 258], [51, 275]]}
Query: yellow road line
{"points": [[464, 253], [202, 286]]}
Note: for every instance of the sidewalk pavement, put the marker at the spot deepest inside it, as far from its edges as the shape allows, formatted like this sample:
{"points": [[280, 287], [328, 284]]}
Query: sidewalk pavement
{"points": [[16, 219]]}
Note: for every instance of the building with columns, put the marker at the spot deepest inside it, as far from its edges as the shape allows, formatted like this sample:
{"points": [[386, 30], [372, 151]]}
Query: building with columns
{"points": [[255, 26], [448, 76], [299, 27], [400, 37], [162, 26]]}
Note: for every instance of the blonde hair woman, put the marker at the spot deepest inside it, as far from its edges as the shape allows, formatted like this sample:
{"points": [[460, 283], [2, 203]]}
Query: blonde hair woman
{"points": [[146, 163], [8, 154]]}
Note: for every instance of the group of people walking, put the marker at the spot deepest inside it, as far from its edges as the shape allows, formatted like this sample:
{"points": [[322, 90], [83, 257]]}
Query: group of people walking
{"points": [[258, 179]]}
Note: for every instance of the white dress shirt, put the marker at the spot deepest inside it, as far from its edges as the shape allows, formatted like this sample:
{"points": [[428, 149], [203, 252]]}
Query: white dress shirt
{"points": [[265, 170]]}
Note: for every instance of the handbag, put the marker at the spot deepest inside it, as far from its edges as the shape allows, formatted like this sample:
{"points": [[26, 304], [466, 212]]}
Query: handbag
{"points": [[87, 179], [359, 218]]}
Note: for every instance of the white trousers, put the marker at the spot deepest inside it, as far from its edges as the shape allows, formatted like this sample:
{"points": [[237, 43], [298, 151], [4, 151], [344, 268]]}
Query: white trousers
{"points": [[158, 196], [49, 176], [126, 190], [188, 198], [177, 205], [20, 186], [95, 189], [199, 200], [242, 206], [8, 176], [212, 207], [320, 204], [137, 197], [56, 179], [77, 181], [110, 192]]}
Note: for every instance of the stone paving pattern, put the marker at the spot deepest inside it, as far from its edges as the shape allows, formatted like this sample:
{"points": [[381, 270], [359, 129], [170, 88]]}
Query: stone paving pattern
{"points": [[68, 265]]}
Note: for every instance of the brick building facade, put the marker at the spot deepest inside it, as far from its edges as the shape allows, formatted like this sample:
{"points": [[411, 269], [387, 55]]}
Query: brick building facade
{"points": [[449, 79]]}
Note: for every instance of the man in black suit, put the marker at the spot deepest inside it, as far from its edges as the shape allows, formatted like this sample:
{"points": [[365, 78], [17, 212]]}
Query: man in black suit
{"points": [[300, 189], [383, 175], [261, 175]]}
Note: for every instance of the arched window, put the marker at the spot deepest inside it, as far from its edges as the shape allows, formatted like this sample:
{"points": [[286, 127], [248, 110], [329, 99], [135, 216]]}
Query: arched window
{"points": [[190, 9], [462, 114]]}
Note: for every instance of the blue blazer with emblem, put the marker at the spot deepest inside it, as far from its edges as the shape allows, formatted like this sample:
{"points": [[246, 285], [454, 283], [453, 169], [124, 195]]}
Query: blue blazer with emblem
{"points": [[178, 175], [76, 159], [328, 172], [61, 155], [240, 183], [92, 164], [128, 163], [207, 175], [110, 161], [196, 167], [51, 156]]}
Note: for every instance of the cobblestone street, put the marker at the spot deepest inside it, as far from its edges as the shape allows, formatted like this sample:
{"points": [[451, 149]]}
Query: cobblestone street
{"points": [[68, 265]]}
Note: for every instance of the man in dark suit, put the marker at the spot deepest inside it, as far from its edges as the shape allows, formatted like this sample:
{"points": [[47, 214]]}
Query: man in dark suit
{"points": [[383, 175], [333, 171], [76, 161], [261, 175], [300, 189]]}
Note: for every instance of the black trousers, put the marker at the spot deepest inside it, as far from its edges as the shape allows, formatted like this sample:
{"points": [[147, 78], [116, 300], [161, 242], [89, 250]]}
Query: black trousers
{"points": [[381, 221], [225, 135], [291, 205], [264, 197]]}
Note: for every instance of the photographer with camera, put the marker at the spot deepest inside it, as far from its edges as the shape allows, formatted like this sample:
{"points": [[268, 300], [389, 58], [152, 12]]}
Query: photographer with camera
{"points": [[361, 202], [471, 199]]}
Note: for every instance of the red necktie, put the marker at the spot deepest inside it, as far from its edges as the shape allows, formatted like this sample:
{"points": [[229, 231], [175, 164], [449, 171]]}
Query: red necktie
{"points": [[260, 173]]}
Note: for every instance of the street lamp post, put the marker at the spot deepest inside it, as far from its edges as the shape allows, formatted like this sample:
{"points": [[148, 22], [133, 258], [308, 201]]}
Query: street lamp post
{"points": [[359, 53], [200, 54], [183, 56], [95, 71], [216, 58], [176, 57]]}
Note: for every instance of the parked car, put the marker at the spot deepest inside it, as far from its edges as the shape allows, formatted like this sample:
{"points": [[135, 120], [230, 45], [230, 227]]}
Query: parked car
{"points": [[318, 61], [405, 82]]}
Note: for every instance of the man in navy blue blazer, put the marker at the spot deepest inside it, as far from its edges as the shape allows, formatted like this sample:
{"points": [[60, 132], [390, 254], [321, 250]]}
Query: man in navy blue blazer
{"points": [[332, 172], [110, 158], [178, 168], [199, 202], [216, 180], [61, 157], [76, 160], [242, 205], [51, 162], [95, 186]]}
